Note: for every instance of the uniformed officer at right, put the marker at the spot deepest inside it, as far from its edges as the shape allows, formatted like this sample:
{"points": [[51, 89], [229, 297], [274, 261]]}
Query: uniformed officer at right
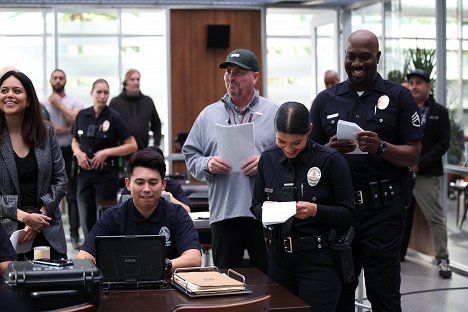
{"points": [[389, 116]]}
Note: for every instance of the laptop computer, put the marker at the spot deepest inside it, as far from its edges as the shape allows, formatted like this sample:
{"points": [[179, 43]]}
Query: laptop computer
{"points": [[132, 261]]}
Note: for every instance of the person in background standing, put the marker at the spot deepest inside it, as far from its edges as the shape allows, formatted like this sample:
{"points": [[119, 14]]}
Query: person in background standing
{"points": [[138, 110], [63, 110], [331, 78], [99, 135], [434, 144]]}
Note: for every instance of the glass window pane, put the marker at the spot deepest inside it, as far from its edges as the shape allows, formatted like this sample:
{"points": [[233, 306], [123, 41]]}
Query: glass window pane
{"points": [[21, 22], [87, 59], [144, 22], [289, 62], [92, 22]]}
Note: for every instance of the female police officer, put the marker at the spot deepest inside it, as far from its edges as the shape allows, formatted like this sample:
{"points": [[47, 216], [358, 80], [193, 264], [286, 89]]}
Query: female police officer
{"points": [[318, 180], [99, 135]]}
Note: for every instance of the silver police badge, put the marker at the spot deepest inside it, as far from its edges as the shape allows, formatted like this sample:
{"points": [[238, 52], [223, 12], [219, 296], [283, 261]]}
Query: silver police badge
{"points": [[105, 125], [313, 176], [382, 102]]}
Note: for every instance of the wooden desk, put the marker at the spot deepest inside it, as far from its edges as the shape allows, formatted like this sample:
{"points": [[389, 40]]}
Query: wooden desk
{"points": [[168, 298]]}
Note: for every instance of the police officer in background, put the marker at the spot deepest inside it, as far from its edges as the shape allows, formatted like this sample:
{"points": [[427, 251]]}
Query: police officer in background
{"points": [[391, 142], [317, 178], [99, 135]]}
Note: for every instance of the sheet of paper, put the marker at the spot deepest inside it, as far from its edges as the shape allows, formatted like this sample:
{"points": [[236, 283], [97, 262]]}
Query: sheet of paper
{"points": [[277, 212], [235, 143], [20, 248], [346, 130]]}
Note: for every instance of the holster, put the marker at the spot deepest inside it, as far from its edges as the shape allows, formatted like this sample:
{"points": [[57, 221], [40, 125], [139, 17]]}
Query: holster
{"points": [[341, 246], [381, 194], [273, 239]]}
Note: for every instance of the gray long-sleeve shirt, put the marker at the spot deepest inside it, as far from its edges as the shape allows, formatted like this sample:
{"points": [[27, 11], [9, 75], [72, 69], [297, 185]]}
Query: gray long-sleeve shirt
{"points": [[230, 195]]}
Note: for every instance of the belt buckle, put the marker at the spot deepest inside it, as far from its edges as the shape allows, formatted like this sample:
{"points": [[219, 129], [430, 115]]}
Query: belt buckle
{"points": [[288, 247], [358, 199]]}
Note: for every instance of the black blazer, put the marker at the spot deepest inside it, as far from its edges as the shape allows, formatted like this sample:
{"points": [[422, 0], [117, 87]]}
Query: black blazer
{"points": [[436, 139]]}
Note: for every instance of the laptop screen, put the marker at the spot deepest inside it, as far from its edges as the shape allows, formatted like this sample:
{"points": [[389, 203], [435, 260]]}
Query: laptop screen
{"points": [[131, 259]]}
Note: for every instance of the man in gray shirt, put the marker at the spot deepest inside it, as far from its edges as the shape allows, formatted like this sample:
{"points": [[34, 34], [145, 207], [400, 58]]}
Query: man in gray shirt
{"points": [[233, 226], [62, 109]]}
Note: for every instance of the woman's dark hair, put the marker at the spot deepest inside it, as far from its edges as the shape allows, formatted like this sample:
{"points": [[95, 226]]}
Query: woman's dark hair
{"points": [[292, 118], [147, 158], [33, 129]]}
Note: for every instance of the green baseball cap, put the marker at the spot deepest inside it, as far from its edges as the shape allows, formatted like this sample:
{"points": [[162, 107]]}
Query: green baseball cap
{"points": [[243, 58]]}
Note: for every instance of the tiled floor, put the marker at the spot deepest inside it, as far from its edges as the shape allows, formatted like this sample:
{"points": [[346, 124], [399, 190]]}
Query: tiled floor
{"points": [[421, 287]]}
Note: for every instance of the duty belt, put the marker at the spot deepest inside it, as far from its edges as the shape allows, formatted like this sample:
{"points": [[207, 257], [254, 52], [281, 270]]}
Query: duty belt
{"points": [[296, 243], [378, 190]]}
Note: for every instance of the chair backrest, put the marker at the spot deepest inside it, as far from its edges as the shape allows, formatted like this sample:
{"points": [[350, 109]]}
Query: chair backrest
{"points": [[258, 304], [79, 308]]}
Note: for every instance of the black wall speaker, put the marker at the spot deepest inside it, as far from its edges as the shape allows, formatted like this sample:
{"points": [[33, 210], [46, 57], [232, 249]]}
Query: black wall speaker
{"points": [[218, 36]]}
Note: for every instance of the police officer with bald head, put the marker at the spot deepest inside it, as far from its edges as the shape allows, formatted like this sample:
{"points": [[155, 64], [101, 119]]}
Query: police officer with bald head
{"points": [[387, 145]]}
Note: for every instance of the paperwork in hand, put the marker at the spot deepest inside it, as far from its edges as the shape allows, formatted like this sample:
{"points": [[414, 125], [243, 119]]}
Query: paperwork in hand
{"points": [[235, 143], [346, 130], [20, 248], [277, 212]]}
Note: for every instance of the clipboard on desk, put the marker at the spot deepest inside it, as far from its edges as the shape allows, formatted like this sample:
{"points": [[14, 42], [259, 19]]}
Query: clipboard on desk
{"points": [[208, 281]]}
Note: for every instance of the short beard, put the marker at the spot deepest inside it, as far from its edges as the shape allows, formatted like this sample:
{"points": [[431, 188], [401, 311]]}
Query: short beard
{"points": [[58, 89]]}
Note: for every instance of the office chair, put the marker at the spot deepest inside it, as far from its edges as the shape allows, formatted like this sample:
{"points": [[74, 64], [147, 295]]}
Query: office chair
{"points": [[258, 304], [79, 308]]}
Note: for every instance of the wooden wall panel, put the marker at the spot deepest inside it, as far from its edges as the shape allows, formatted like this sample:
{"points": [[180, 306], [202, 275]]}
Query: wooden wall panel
{"points": [[421, 235], [196, 80]]}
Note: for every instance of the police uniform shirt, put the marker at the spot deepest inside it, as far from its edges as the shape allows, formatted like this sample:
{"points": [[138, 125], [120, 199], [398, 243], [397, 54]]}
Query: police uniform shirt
{"points": [[322, 177], [168, 219], [385, 108], [95, 134]]}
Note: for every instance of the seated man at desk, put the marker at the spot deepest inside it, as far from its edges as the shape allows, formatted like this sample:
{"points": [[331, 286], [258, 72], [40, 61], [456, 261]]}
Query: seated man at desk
{"points": [[148, 214], [173, 189]]}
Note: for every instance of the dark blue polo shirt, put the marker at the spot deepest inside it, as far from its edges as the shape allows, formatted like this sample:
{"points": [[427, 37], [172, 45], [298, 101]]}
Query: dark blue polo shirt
{"points": [[95, 134], [168, 219], [397, 123]]}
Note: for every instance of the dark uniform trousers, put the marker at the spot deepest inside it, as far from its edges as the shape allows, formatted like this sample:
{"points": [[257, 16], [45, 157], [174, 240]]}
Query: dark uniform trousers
{"points": [[230, 237], [310, 275], [72, 205], [376, 249], [94, 186]]}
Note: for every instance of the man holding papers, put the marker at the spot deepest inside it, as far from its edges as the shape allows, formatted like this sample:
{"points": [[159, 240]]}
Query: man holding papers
{"points": [[391, 134], [305, 188], [249, 119]]}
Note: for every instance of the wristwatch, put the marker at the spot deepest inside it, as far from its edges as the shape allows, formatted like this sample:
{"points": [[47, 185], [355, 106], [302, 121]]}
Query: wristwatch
{"points": [[382, 147], [168, 266]]}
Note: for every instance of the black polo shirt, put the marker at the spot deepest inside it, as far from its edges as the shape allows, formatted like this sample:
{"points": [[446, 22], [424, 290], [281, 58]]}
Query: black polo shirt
{"points": [[398, 123], [101, 132]]}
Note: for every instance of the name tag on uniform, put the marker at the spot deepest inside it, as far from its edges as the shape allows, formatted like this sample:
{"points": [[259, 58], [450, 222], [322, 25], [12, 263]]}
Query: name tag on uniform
{"points": [[268, 190], [332, 116], [433, 117]]}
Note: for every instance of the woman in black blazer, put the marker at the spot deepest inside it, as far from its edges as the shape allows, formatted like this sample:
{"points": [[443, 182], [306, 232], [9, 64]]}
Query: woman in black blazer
{"points": [[32, 171]]}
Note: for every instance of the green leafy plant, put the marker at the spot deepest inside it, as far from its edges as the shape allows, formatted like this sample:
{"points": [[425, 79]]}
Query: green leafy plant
{"points": [[421, 58]]}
